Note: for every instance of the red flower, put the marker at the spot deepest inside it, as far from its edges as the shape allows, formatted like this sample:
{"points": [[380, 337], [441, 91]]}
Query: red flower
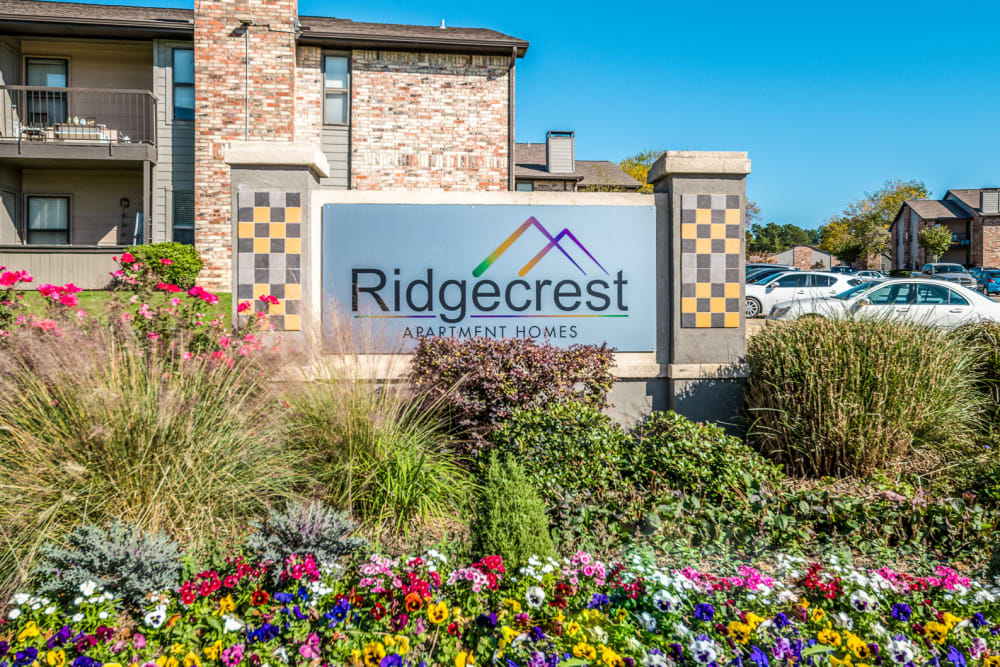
{"points": [[230, 581], [166, 262], [187, 597], [453, 628], [267, 298], [259, 597], [243, 307], [126, 258], [378, 611]]}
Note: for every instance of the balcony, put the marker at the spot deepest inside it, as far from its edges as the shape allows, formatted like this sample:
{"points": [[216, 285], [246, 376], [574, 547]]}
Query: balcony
{"points": [[77, 123], [960, 241]]}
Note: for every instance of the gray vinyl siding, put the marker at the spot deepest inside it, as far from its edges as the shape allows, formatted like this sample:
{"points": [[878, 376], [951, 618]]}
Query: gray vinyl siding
{"points": [[336, 146], [175, 149]]}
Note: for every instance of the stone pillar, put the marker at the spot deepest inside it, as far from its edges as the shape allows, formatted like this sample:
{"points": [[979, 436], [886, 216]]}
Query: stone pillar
{"points": [[701, 333]]}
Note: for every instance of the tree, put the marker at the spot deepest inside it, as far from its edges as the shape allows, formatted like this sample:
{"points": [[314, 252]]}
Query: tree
{"points": [[935, 240], [774, 238], [637, 166], [862, 228]]}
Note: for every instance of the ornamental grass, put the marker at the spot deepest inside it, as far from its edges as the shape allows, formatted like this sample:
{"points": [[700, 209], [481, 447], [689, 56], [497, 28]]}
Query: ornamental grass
{"points": [[94, 428]]}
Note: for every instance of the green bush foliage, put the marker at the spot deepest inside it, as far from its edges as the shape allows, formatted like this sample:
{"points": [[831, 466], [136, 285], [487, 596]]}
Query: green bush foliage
{"points": [[182, 265], [510, 518], [304, 529], [93, 430], [481, 381], [126, 560], [847, 398]]}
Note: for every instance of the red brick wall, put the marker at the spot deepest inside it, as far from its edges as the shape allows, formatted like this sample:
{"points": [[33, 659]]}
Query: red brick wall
{"points": [[991, 242], [422, 121], [219, 108]]}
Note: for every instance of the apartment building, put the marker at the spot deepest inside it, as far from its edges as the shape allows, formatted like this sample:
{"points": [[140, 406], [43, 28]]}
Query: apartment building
{"points": [[553, 167], [115, 122], [972, 216]]}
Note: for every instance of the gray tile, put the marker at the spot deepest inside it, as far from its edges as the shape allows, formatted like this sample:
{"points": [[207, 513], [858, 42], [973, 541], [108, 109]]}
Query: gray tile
{"points": [[689, 201], [719, 201]]}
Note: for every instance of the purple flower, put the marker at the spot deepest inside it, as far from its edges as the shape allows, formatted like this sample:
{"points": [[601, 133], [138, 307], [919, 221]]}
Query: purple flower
{"points": [[4, 647], [977, 620], [782, 649], [955, 657], [759, 657], [536, 660], [901, 612], [58, 639], [598, 601], [283, 598], [399, 622], [488, 621], [391, 660], [233, 655], [26, 657], [536, 634], [703, 611], [781, 620], [85, 661]]}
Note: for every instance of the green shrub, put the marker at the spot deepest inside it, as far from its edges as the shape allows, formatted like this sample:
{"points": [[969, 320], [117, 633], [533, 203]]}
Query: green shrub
{"points": [[510, 518], [481, 381], [994, 566], [670, 452], [304, 529], [383, 455], [125, 560], [181, 267], [93, 430], [851, 397]]}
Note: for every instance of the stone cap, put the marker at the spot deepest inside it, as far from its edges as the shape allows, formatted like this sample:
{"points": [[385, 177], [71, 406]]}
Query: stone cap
{"points": [[718, 163], [277, 154]]}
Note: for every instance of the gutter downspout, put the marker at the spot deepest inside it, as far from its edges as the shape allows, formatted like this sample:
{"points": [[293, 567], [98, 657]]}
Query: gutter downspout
{"points": [[510, 120]]}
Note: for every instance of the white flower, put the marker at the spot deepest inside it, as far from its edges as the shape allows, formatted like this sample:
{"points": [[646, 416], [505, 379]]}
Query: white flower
{"points": [[844, 620], [901, 651], [232, 624], [155, 618], [77, 618], [681, 629], [656, 660], [36, 606], [50, 610], [77, 601], [648, 620], [281, 653], [14, 613], [862, 601], [704, 651], [664, 601], [879, 630], [88, 588], [103, 616], [535, 597], [21, 598]]}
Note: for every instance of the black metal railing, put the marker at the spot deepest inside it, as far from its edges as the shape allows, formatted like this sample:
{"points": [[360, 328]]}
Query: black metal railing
{"points": [[77, 115]]}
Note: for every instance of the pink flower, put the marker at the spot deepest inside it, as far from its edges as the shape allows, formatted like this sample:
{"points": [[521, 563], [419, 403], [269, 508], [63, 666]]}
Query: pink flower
{"points": [[167, 287], [267, 298], [11, 278], [310, 649], [68, 300], [80, 314], [224, 342], [126, 258], [166, 262], [152, 335], [187, 355], [243, 307]]}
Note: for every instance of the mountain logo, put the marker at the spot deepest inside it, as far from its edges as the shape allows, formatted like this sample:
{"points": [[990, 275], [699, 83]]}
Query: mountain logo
{"points": [[553, 243]]}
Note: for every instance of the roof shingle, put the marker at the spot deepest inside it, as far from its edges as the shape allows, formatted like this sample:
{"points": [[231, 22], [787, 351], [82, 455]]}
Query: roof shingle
{"points": [[529, 164]]}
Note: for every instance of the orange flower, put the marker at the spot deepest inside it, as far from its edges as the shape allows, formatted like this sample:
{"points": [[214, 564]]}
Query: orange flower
{"points": [[413, 602]]}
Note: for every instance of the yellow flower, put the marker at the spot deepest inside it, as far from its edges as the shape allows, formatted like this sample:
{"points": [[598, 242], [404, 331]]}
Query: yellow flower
{"points": [[226, 606], [991, 661], [572, 628], [177, 649], [753, 620], [818, 615], [355, 656], [212, 652], [513, 605], [937, 632], [402, 644], [620, 615], [559, 618], [858, 646], [463, 659], [374, 652], [837, 662], [192, 660], [951, 620], [585, 651], [740, 632], [112, 664], [611, 659], [167, 661], [389, 641], [30, 630], [437, 613], [829, 637], [56, 658]]}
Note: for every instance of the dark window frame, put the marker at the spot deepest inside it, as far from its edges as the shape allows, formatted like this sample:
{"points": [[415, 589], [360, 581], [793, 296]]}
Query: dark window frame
{"points": [[27, 218], [173, 218], [346, 92], [175, 85]]}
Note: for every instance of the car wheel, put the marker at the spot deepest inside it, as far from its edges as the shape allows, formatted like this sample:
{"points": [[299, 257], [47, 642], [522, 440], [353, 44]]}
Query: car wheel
{"points": [[752, 307]]}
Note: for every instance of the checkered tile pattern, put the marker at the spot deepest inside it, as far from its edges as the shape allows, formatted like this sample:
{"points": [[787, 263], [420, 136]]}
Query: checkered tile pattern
{"points": [[710, 261], [269, 259]]}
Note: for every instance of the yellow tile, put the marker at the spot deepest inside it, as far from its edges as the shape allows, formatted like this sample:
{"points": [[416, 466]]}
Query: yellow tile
{"points": [[260, 290], [261, 214], [294, 291], [718, 305], [277, 230], [703, 320], [732, 290], [732, 246], [245, 230], [718, 231], [293, 323], [732, 216], [689, 230], [732, 320], [262, 245], [688, 305], [293, 214], [703, 290], [703, 216], [703, 246], [276, 308], [293, 245]]}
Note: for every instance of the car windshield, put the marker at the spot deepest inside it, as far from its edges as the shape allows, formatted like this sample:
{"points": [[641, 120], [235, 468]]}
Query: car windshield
{"points": [[854, 291], [771, 278], [949, 268]]}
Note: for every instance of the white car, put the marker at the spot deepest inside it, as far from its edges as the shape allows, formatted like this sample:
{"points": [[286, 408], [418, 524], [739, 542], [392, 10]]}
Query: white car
{"points": [[868, 276], [792, 286], [915, 300]]}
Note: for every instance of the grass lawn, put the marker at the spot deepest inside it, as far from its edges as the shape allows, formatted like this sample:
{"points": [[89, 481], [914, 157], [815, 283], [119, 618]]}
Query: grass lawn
{"points": [[94, 302]]}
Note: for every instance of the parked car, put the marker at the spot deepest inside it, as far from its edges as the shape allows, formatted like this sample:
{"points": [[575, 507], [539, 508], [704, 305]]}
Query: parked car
{"points": [[915, 300], [763, 274], [767, 265], [868, 276], [953, 273], [793, 285], [843, 269], [989, 281]]}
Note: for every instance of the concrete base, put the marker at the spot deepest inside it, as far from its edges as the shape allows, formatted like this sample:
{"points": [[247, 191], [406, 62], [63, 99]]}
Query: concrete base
{"points": [[714, 400]]}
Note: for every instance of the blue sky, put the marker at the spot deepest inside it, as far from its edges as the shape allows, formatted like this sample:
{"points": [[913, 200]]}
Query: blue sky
{"points": [[829, 99]]}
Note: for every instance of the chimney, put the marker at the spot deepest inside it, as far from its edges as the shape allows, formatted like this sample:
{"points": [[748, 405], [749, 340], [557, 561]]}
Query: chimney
{"points": [[560, 157], [989, 201]]}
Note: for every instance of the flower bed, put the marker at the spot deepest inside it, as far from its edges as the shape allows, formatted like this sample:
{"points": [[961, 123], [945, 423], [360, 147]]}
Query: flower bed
{"points": [[383, 612]]}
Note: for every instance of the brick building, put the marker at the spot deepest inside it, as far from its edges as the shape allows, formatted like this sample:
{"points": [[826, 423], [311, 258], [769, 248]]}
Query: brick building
{"points": [[805, 257], [972, 216], [116, 122]]}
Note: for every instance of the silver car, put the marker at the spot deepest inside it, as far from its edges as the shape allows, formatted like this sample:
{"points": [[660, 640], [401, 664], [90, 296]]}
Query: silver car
{"points": [[953, 273]]}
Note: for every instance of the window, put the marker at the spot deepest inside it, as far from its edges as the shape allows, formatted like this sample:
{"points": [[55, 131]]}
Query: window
{"points": [[823, 281], [183, 89], [932, 295], [526, 186], [898, 294], [45, 107], [336, 87], [792, 280], [956, 299], [184, 217], [48, 220]]}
